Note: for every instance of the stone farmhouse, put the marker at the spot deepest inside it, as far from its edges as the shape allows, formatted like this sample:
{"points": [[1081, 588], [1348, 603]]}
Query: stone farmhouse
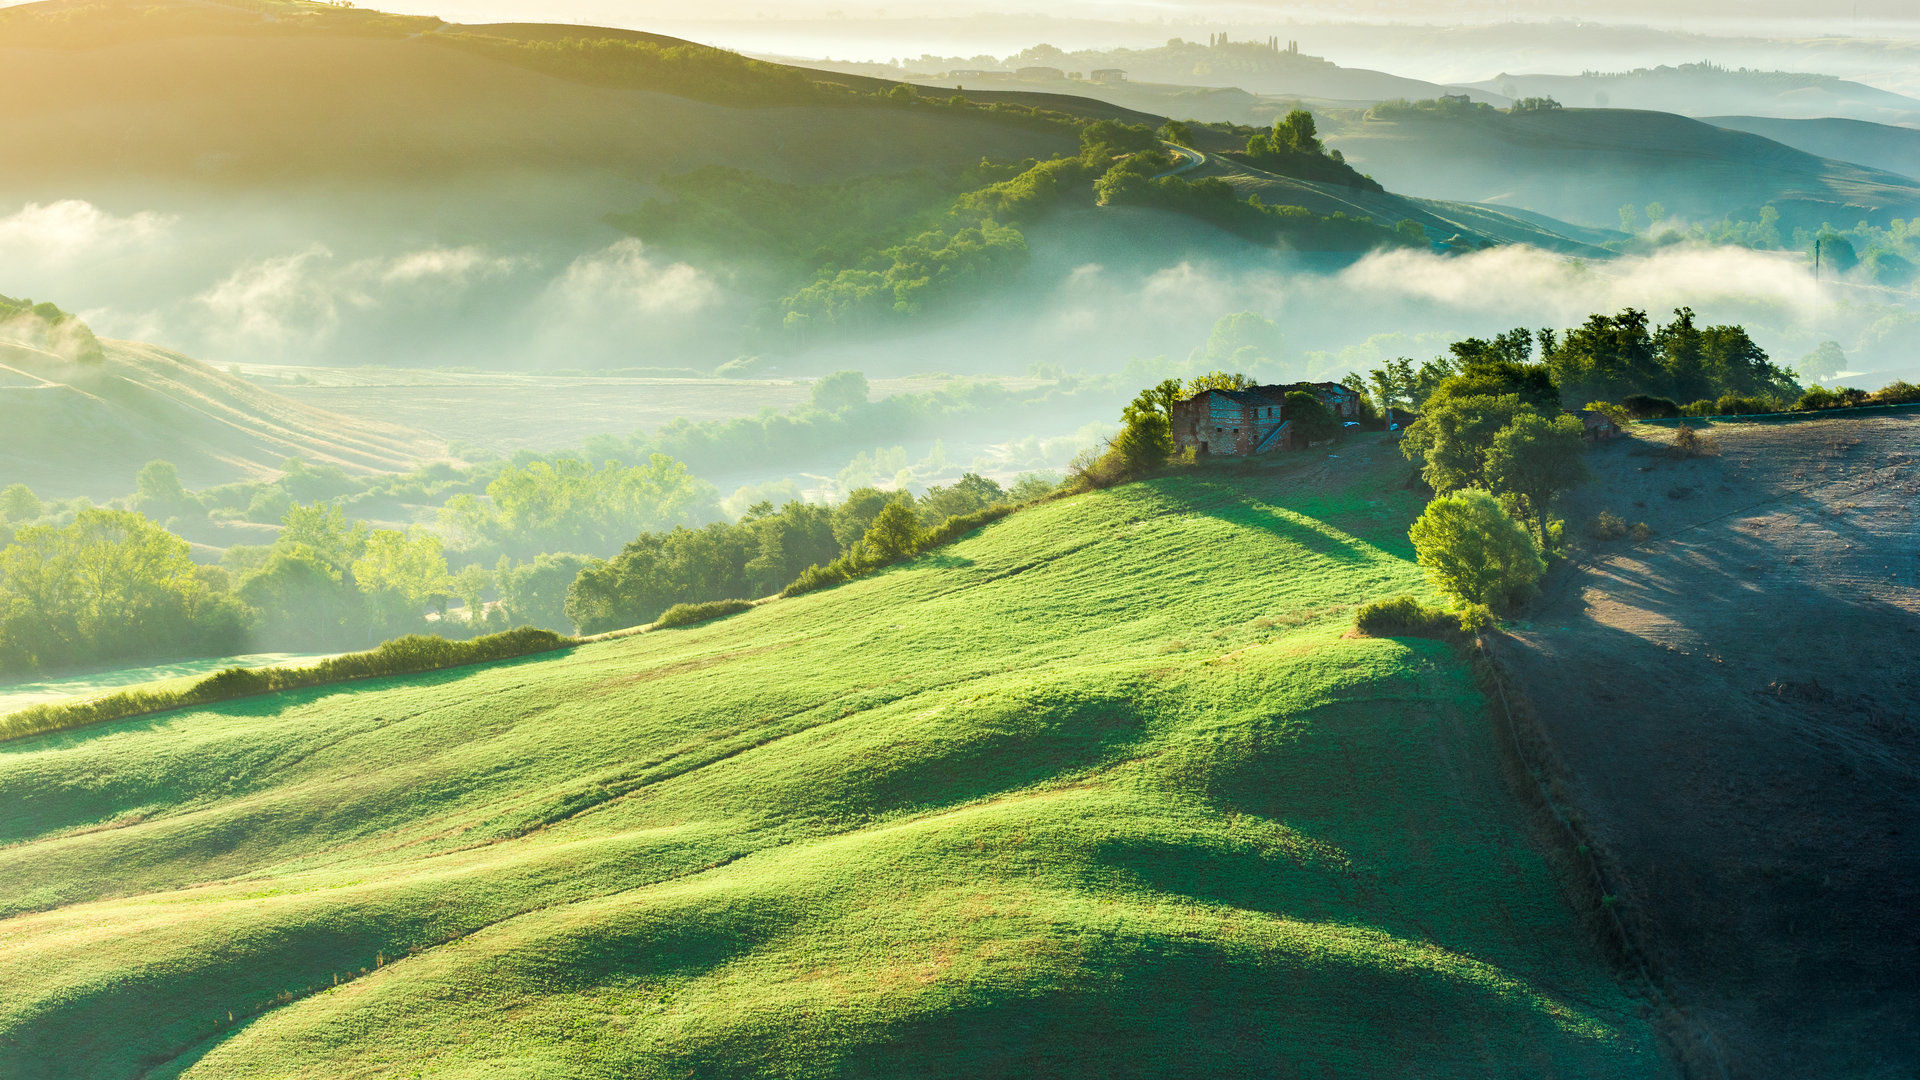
{"points": [[1235, 423]]}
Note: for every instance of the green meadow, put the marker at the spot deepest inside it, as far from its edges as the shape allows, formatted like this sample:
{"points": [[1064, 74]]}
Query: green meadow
{"points": [[1104, 789]]}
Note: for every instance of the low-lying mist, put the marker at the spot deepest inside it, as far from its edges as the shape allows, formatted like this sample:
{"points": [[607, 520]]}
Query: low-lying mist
{"points": [[1103, 288]]}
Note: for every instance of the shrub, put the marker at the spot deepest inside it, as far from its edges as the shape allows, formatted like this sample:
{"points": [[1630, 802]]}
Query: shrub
{"points": [[1404, 616], [861, 561], [1703, 407], [961, 524], [1735, 405], [689, 614], [1607, 526], [1649, 407], [408, 655], [1641, 533], [1897, 393], [1475, 552], [1691, 442], [1475, 618]]}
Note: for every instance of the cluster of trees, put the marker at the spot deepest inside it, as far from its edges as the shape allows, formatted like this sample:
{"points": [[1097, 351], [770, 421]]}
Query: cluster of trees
{"points": [[110, 586], [973, 244], [1496, 447], [768, 550], [1608, 358], [47, 325], [1293, 148], [1451, 107], [566, 503], [1136, 181]]}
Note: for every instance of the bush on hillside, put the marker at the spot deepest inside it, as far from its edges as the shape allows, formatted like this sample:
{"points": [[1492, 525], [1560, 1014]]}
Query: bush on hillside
{"points": [[689, 614], [1475, 552], [1607, 526], [1897, 393], [860, 560], [408, 655], [1405, 616], [1650, 407]]}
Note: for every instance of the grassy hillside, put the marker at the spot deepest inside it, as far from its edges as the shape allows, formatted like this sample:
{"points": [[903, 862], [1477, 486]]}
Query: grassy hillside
{"points": [[84, 426], [1710, 90], [215, 97], [1877, 146], [1582, 165], [1103, 789], [1441, 218]]}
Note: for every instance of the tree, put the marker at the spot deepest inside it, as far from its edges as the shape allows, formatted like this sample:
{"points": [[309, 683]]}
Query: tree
{"points": [[1310, 417], [1534, 459], [19, 505], [323, 527], [1296, 132], [852, 518], [111, 586], [894, 535], [1451, 439], [970, 494], [1474, 552], [1177, 132], [1159, 398], [471, 585], [1144, 444], [400, 575], [301, 600], [1824, 362], [1217, 380], [840, 391], [535, 593], [158, 491]]}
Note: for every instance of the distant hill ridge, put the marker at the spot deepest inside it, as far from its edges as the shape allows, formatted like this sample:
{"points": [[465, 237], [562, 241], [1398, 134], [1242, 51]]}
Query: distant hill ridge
{"points": [[85, 424]]}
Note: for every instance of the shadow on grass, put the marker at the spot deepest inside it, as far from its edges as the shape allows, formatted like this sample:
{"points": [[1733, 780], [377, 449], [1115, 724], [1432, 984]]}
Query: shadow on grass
{"points": [[1125, 1002]]}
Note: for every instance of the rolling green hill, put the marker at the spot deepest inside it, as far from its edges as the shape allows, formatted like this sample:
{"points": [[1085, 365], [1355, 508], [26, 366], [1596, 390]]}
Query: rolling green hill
{"points": [[165, 103], [1441, 218], [1104, 789], [1582, 165], [1877, 146], [84, 426], [1705, 89]]}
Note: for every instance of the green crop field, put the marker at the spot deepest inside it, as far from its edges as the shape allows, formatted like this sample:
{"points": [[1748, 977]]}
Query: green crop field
{"points": [[1104, 789]]}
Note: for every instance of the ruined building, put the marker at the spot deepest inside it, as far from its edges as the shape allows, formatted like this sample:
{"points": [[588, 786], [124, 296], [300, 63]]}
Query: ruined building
{"points": [[1251, 421]]}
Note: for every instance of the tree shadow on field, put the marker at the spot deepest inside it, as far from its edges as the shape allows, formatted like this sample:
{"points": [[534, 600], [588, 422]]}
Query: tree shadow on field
{"points": [[1737, 712], [1228, 502]]}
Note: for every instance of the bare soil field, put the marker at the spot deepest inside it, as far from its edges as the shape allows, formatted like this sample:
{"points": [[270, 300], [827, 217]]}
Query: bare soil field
{"points": [[1732, 705]]}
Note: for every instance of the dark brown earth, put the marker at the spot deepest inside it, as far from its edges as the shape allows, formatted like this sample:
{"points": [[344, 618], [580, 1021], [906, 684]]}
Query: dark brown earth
{"points": [[1733, 705]]}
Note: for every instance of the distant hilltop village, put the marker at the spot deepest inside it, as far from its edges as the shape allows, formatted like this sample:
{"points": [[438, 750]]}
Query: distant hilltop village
{"points": [[1043, 63]]}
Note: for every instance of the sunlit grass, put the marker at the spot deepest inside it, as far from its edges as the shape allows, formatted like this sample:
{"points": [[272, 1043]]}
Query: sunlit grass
{"points": [[969, 817]]}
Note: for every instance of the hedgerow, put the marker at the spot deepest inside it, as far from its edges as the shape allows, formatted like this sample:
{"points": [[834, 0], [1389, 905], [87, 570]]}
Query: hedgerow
{"points": [[408, 655]]}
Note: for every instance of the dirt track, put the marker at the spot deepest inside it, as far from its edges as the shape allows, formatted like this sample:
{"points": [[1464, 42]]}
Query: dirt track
{"points": [[1736, 706]]}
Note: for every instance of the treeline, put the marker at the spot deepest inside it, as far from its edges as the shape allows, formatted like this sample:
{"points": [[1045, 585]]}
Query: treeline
{"points": [[45, 324], [701, 72], [841, 415], [1133, 182], [1293, 148], [1607, 358], [112, 587], [1447, 107], [799, 546], [974, 244]]}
